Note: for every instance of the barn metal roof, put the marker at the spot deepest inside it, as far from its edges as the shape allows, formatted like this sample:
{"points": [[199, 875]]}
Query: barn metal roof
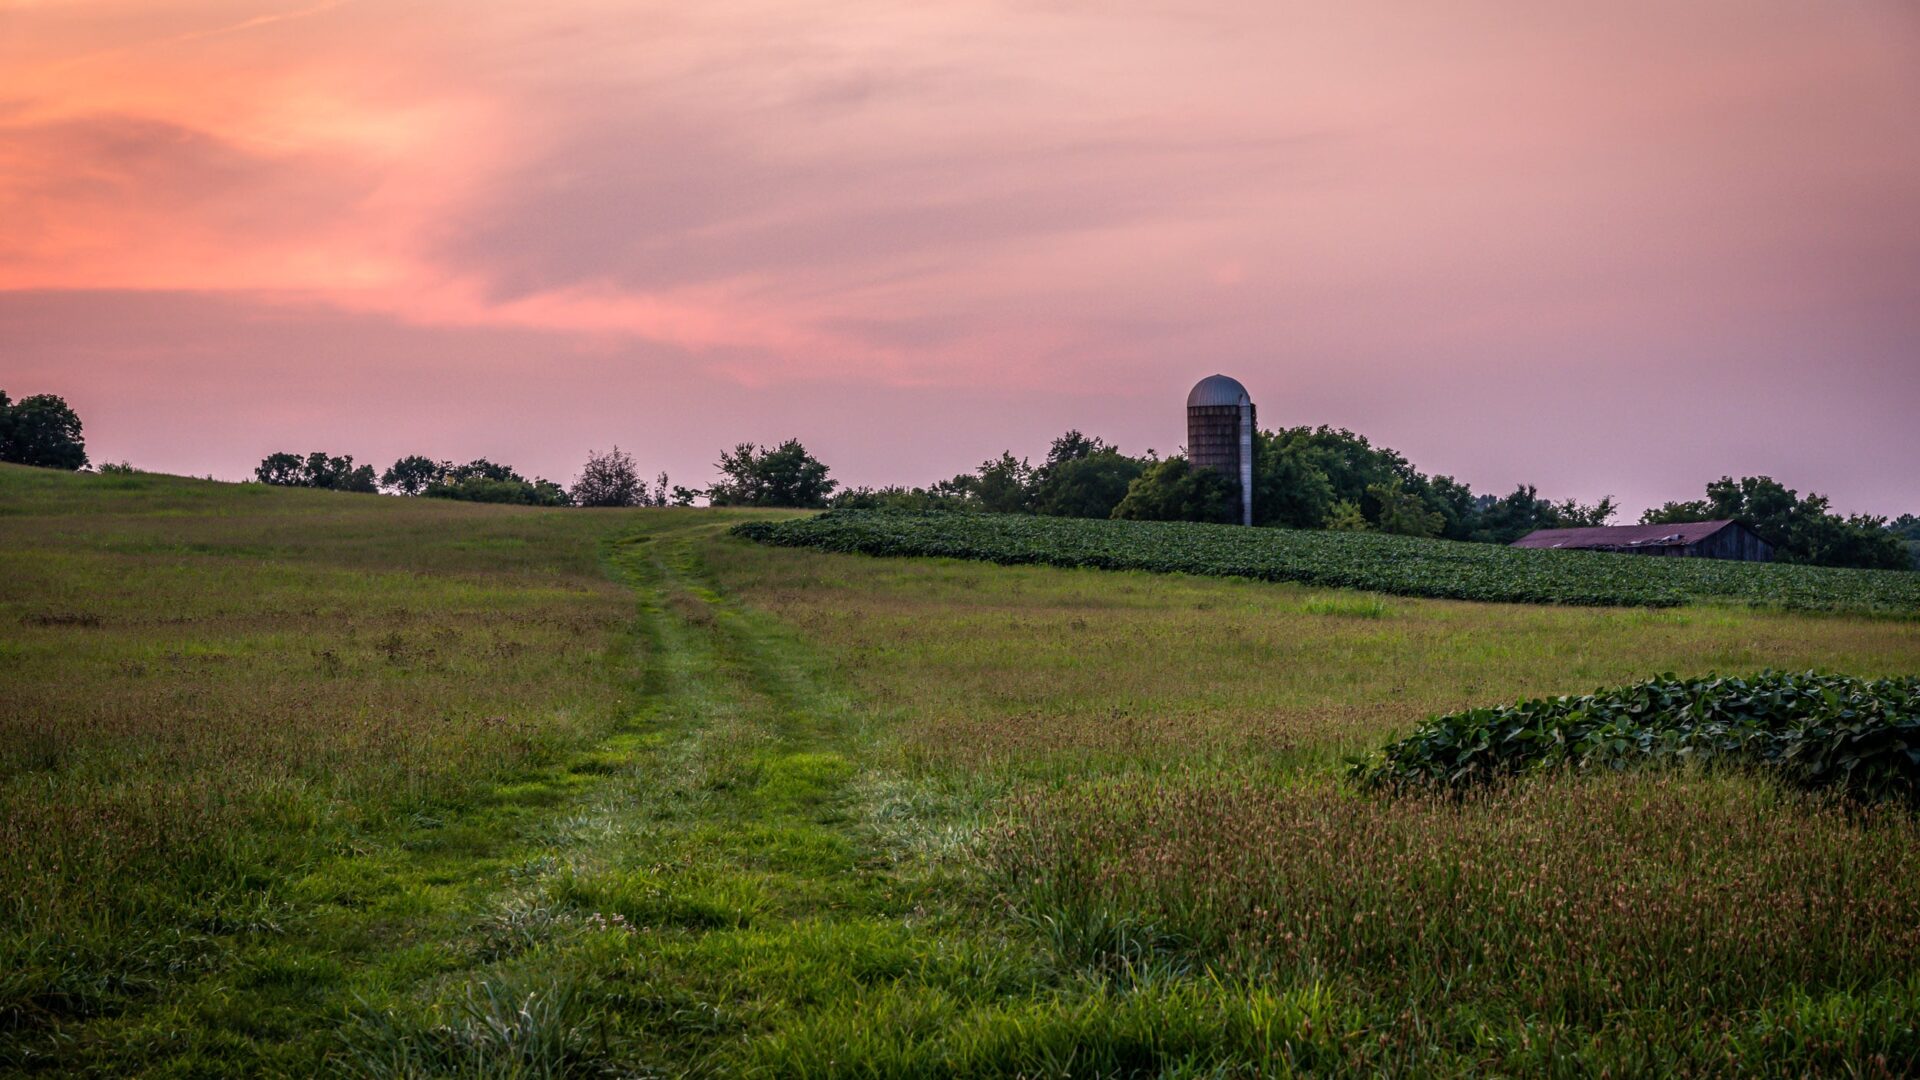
{"points": [[1679, 534], [1217, 390]]}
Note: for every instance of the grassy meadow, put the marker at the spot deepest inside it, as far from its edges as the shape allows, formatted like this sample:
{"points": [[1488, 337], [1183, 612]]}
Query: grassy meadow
{"points": [[298, 781]]}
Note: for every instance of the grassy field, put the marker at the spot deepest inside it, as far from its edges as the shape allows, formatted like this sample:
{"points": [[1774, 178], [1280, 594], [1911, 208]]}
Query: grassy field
{"points": [[299, 781]]}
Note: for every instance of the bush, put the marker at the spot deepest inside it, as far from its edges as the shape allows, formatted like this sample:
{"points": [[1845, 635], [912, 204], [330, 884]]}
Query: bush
{"points": [[784, 475], [610, 479], [516, 491], [1813, 731]]}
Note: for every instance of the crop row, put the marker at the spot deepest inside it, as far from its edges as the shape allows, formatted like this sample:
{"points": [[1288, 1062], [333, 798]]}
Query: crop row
{"points": [[1401, 565], [1813, 731]]}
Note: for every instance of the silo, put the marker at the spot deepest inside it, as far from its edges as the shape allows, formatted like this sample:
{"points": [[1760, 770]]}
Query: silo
{"points": [[1220, 433]]}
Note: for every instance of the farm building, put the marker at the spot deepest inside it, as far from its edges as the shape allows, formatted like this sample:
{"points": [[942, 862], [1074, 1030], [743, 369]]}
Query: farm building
{"points": [[1220, 426], [1691, 539]]}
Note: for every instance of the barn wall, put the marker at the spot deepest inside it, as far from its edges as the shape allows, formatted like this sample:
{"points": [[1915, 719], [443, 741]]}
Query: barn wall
{"points": [[1733, 542]]}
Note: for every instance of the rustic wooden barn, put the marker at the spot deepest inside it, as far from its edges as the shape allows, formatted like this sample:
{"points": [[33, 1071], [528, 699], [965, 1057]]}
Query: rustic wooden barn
{"points": [[1691, 539]]}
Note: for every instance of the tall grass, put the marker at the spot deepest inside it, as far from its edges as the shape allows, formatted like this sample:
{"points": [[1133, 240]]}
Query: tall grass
{"points": [[205, 686], [1582, 900]]}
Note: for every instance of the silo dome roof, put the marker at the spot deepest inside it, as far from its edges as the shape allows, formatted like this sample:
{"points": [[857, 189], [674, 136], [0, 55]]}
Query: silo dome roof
{"points": [[1216, 390]]}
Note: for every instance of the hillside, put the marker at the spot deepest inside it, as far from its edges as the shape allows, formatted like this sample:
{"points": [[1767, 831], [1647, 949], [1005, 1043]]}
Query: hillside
{"points": [[300, 783], [1399, 565]]}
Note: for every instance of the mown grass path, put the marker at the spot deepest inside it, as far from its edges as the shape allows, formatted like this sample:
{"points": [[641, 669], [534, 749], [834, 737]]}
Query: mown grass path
{"points": [[714, 877]]}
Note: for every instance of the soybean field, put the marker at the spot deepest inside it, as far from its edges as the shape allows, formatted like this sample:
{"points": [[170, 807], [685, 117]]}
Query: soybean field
{"points": [[1399, 565]]}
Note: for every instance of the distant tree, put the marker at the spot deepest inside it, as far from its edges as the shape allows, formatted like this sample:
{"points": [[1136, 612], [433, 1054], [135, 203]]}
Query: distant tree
{"points": [[1573, 515], [519, 492], [1083, 477], [610, 479], [483, 469], [282, 470], [661, 487], [1504, 520], [413, 474], [784, 475], [1350, 463], [1290, 484], [1906, 528], [938, 497], [1346, 516], [1678, 513], [1173, 490], [1404, 512], [1001, 486], [1453, 500], [684, 496], [41, 431], [316, 470]]}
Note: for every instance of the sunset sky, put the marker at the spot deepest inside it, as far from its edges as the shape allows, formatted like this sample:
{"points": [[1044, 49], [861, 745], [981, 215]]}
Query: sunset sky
{"points": [[1608, 248]]}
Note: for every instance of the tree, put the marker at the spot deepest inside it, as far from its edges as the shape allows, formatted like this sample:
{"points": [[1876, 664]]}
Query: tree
{"points": [[785, 475], [1088, 487], [1083, 477], [1504, 520], [413, 474], [1573, 515], [610, 479], [1906, 527], [1173, 490], [1346, 517], [1678, 513], [316, 470], [1290, 484], [1404, 512], [516, 491], [1003, 485], [482, 469], [1453, 500], [940, 496], [41, 431]]}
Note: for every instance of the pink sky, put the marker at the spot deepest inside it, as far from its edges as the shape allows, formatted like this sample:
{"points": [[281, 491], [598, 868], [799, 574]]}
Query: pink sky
{"points": [[1616, 248]]}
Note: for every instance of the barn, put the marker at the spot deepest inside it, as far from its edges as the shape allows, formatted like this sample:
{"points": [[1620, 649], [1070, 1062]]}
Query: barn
{"points": [[1691, 539]]}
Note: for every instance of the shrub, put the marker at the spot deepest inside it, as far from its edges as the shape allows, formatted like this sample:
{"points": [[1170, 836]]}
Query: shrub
{"points": [[1813, 731], [610, 479]]}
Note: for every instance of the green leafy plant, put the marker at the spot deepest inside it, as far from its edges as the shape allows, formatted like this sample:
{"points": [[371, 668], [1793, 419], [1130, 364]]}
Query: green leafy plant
{"points": [[1814, 731]]}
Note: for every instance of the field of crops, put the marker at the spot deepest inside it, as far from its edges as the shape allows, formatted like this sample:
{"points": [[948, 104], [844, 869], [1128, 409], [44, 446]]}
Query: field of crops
{"points": [[1400, 565]]}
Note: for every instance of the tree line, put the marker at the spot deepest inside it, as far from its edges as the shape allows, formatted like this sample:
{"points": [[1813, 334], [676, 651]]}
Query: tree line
{"points": [[1331, 478], [1304, 478], [750, 475]]}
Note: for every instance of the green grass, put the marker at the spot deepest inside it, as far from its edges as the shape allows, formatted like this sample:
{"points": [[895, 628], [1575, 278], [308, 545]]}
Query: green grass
{"points": [[1401, 565], [297, 782]]}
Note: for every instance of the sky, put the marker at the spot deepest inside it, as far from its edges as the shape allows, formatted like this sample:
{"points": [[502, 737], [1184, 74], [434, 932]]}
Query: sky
{"points": [[1606, 249]]}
